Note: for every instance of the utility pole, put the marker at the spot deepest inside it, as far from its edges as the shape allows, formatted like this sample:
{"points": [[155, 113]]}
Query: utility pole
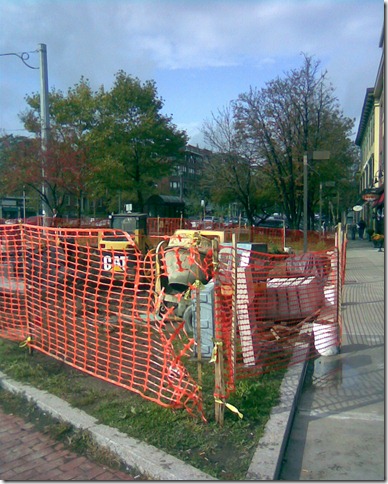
{"points": [[44, 119], [315, 155], [44, 109], [305, 206]]}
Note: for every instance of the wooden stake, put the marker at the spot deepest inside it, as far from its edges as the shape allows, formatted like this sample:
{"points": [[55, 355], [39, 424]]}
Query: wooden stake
{"points": [[199, 344], [233, 336], [219, 384], [198, 319]]}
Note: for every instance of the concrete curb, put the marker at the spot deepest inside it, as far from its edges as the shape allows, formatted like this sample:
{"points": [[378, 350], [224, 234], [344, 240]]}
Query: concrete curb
{"points": [[155, 463], [149, 460], [267, 460]]}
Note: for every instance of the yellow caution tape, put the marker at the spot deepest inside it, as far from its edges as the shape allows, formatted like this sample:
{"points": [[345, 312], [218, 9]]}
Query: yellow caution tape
{"points": [[25, 342], [213, 357], [196, 284], [232, 408]]}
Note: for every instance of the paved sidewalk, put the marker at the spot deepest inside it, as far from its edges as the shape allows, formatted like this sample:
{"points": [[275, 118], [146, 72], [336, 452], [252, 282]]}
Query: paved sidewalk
{"points": [[150, 461], [27, 454], [338, 429]]}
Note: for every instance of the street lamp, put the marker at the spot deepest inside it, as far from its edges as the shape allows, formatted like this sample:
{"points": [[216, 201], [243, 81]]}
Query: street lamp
{"points": [[315, 155], [24, 203], [320, 205]]}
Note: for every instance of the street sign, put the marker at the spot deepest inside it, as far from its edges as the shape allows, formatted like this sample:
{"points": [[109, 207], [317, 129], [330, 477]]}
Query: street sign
{"points": [[321, 155]]}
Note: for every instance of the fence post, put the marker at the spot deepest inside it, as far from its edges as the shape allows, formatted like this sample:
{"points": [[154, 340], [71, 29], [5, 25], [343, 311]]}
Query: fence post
{"points": [[219, 384], [218, 355], [233, 335], [198, 319], [23, 247]]}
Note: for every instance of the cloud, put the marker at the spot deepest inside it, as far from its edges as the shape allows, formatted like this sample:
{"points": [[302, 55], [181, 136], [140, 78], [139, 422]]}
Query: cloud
{"points": [[145, 38], [175, 34]]}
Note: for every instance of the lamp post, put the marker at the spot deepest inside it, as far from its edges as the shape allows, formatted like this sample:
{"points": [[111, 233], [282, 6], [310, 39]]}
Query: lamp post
{"points": [[305, 164], [315, 155], [24, 203], [320, 205]]}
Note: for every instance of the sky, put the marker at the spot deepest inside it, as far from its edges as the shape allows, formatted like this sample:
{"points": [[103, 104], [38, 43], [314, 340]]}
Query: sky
{"points": [[201, 53]]}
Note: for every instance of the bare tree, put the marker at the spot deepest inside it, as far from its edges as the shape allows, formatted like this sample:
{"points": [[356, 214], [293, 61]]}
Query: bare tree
{"points": [[232, 173], [287, 118]]}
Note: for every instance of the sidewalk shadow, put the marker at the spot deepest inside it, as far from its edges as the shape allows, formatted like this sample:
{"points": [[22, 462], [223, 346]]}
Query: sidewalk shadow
{"points": [[334, 385]]}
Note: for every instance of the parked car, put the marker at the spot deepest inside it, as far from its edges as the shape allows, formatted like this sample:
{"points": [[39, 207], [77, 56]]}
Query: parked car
{"points": [[271, 222], [208, 223], [195, 223]]}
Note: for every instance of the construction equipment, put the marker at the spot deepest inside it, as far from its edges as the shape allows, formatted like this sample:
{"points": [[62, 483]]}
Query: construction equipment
{"points": [[125, 243], [181, 263], [134, 224], [187, 259]]}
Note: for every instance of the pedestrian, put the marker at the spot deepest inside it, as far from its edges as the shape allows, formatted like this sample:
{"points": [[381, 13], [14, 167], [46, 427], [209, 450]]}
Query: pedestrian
{"points": [[361, 227], [353, 229]]}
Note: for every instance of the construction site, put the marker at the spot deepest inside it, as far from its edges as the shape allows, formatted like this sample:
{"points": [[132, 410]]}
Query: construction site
{"points": [[134, 302]]}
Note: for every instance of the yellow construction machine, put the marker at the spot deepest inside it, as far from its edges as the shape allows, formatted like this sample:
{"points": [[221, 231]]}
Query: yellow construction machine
{"points": [[180, 261]]}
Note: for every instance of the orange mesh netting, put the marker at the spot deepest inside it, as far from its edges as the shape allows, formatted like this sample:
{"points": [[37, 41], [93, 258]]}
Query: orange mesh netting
{"points": [[94, 309], [12, 289], [92, 299], [271, 304]]}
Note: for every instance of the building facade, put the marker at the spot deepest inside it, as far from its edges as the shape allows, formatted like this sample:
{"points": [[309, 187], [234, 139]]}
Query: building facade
{"points": [[186, 179], [371, 140]]}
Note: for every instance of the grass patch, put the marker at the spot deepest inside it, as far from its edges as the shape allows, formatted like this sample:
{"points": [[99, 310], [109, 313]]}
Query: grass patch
{"points": [[222, 452]]}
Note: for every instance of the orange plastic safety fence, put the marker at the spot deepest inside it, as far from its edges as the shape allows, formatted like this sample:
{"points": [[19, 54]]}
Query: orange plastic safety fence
{"points": [[272, 305], [89, 297], [288, 237], [94, 308], [65, 222], [13, 319], [164, 226]]}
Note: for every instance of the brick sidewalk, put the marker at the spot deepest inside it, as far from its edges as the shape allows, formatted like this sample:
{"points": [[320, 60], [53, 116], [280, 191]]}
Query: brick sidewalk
{"points": [[27, 454]]}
